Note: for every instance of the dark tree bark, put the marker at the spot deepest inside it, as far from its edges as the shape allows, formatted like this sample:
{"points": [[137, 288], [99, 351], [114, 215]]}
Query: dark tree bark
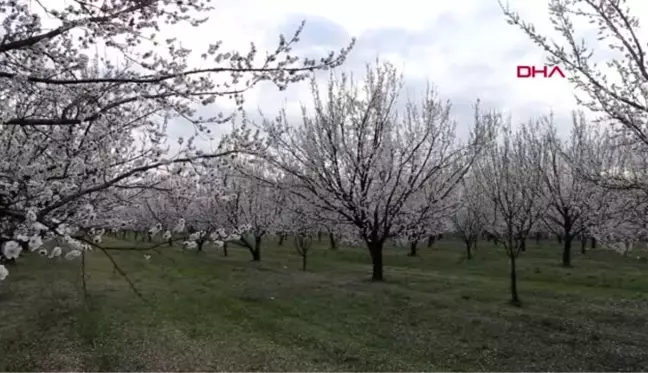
{"points": [[256, 251], [376, 252], [515, 298], [567, 246], [225, 253], [282, 238], [6, 261], [332, 241], [469, 249], [413, 248], [593, 245], [583, 242], [25, 247], [431, 241], [491, 238]]}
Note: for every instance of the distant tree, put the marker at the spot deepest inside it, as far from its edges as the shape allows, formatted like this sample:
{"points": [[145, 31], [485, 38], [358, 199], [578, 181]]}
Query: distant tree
{"points": [[303, 244], [469, 217], [614, 88], [512, 189], [355, 157], [571, 198], [78, 126], [254, 204]]}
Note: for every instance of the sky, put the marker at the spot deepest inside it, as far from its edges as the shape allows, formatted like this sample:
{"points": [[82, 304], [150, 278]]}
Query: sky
{"points": [[464, 48]]}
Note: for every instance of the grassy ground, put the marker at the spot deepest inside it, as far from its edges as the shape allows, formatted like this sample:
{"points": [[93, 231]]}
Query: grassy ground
{"points": [[435, 312]]}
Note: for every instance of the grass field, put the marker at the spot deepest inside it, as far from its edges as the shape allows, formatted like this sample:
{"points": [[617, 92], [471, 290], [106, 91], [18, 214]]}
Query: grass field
{"points": [[435, 312]]}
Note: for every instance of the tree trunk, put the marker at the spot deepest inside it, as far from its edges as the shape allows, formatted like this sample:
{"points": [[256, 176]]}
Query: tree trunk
{"points": [[304, 260], [566, 255], [319, 236], [560, 239], [256, 252], [523, 244], [282, 237], [200, 246], [515, 299], [431, 240], [469, 247], [376, 252], [413, 248], [225, 249], [332, 241], [593, 245], [583, 242], [537, 238], [25, 247]]}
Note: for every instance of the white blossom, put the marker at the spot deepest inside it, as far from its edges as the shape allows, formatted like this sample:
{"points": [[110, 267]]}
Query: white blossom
{"points": [[35, 242], [56, 251], [31, 215], [180, 226], [11, 249], [73, 254], [4, 272]]}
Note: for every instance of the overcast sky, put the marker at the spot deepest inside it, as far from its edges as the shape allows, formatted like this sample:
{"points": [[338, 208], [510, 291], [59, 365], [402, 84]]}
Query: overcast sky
{"points": [[464, 47]]}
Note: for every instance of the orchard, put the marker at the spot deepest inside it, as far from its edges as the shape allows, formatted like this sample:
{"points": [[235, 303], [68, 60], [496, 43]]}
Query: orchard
{"points": [[266, 239]]}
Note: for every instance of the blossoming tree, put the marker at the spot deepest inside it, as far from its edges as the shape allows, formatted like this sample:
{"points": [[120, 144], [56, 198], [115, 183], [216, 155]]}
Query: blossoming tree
{"points": [[78, 128], [512, 188], [356, 157], [253, 203]]}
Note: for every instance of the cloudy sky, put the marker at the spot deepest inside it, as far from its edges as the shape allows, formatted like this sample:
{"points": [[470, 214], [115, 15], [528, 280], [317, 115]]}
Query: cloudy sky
{"points": [[464, 47]]}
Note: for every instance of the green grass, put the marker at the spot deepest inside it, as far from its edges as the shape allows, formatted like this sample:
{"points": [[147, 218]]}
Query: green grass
{"points": [[436, 312]]}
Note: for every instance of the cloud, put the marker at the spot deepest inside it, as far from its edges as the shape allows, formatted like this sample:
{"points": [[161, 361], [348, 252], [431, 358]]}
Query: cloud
{"points": [[466, 49], [320, 32]]}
